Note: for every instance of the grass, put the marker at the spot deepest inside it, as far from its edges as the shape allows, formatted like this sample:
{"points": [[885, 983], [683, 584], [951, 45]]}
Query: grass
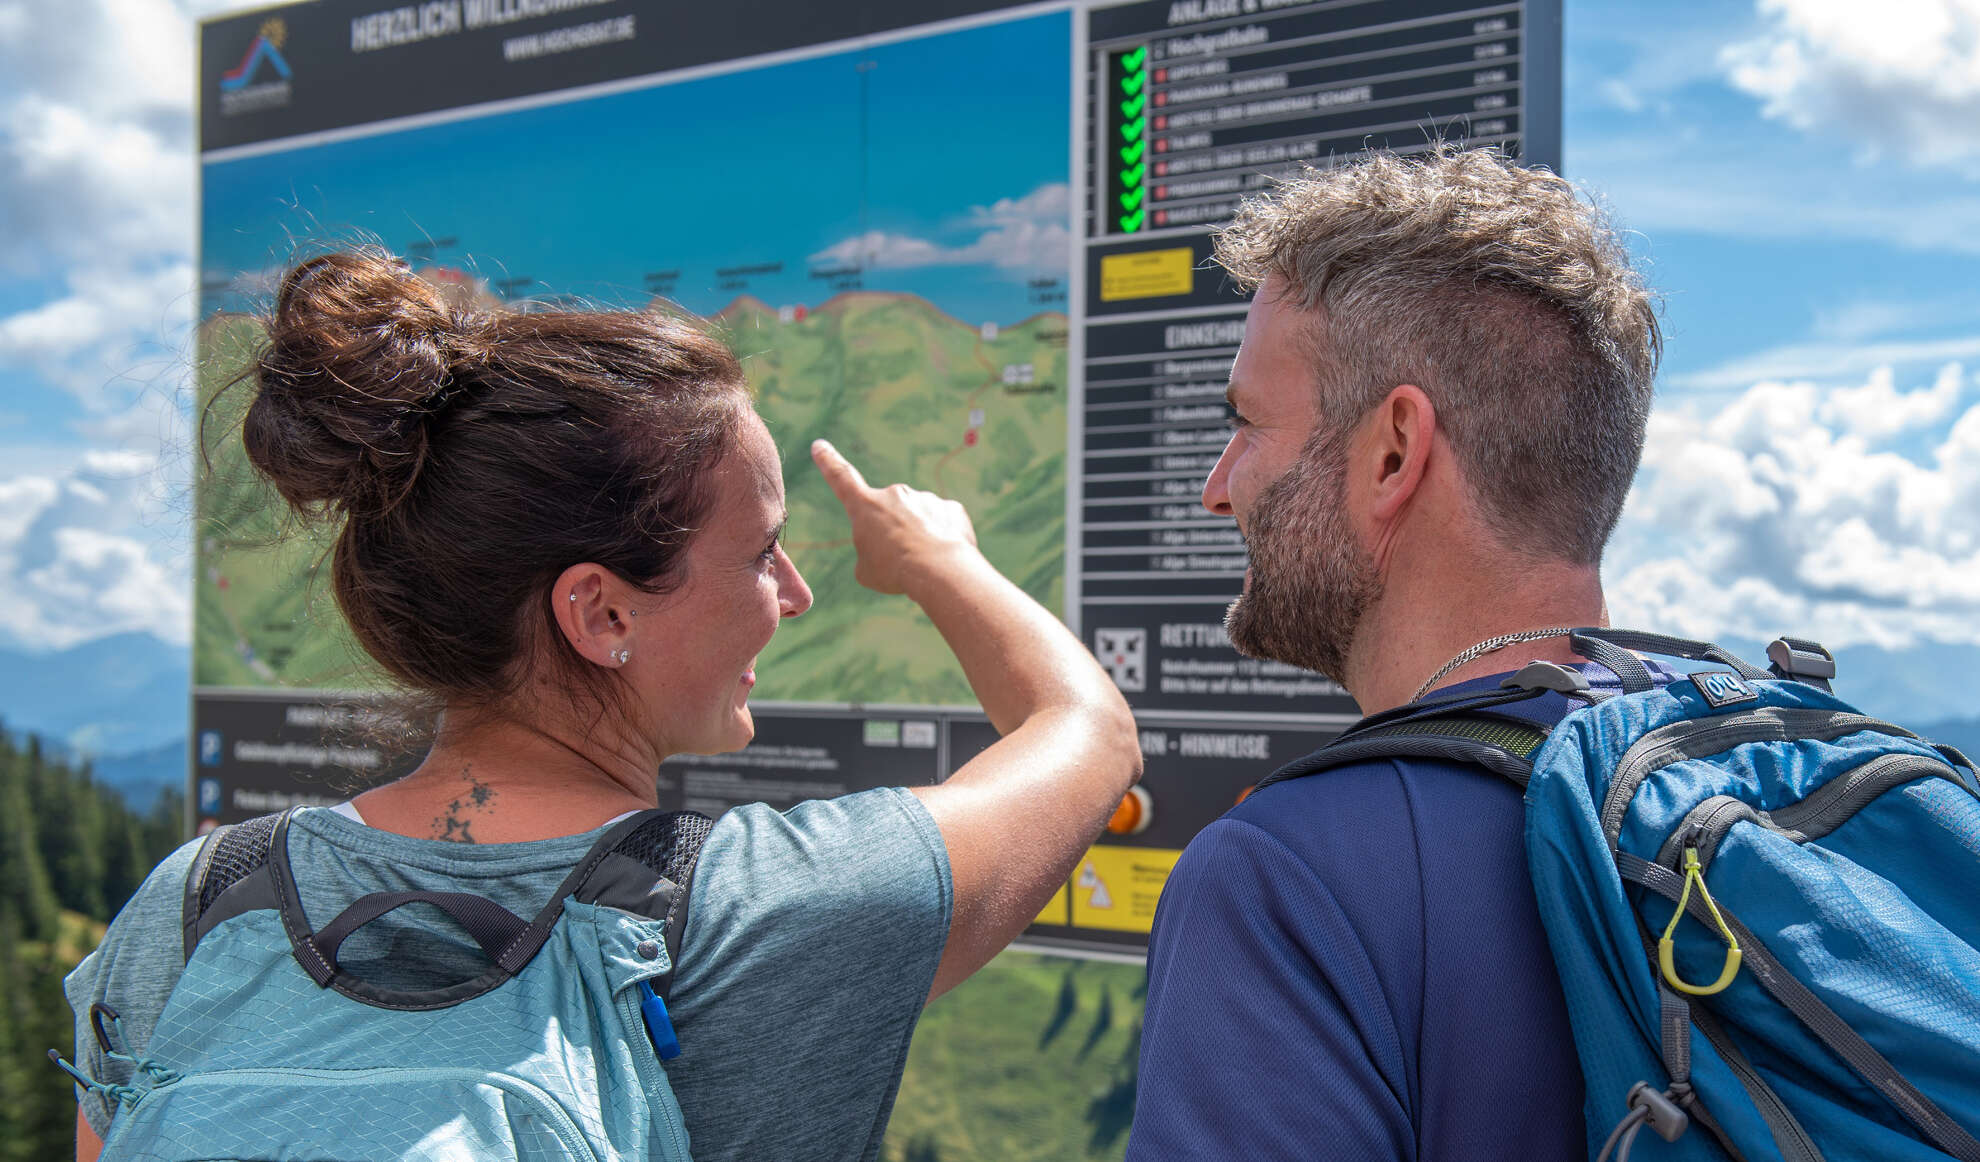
{"points": [[1032, 1059]]}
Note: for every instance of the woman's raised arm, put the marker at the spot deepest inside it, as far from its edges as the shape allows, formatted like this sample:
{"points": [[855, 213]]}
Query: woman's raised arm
{"points": [[1017, 817]]}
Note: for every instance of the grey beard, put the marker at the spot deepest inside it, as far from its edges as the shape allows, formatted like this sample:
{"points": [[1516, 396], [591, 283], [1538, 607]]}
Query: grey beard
{"points": [[1311, 579]]}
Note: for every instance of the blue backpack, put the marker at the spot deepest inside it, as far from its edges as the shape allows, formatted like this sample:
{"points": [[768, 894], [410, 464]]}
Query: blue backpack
{"points": [[1763, 904], [268, 1049]]}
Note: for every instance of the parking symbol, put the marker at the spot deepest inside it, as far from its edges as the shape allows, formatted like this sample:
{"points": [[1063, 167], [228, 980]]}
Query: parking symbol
{"points": [[209, 748], [1124, 653], [209, 796]]}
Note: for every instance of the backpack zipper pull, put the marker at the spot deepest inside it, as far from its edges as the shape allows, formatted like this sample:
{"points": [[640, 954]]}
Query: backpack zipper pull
{"points": [[1666, 946], [659, 1026]]}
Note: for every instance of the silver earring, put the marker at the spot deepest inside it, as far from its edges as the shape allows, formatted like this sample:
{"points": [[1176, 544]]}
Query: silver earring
{"points": [[573, 597], [622, 656]]}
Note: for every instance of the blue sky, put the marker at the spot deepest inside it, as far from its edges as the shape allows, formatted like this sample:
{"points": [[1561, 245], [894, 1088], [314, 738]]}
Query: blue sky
{"points": [[1801, 177], [648, 180]]}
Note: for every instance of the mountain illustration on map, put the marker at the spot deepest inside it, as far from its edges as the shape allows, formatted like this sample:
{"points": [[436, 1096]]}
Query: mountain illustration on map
{"points": [[975, 412]]}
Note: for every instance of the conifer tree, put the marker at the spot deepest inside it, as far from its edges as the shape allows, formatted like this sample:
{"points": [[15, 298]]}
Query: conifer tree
{"points": [[21, 868]]}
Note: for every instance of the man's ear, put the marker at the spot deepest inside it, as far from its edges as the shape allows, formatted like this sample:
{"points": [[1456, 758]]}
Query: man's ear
{"points": [[1402, 428]]}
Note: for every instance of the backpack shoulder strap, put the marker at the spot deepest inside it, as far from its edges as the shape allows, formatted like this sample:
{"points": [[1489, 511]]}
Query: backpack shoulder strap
{"points": [[645, 865], [229, 876], [1462, 731]]}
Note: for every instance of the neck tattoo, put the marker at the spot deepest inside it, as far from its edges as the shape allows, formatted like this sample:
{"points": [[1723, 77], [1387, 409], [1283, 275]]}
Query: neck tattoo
{"points": [[1486, 647]]}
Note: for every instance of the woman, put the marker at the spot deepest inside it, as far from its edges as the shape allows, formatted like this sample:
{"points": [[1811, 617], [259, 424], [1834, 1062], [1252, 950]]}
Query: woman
{"points": [[563, 529]]}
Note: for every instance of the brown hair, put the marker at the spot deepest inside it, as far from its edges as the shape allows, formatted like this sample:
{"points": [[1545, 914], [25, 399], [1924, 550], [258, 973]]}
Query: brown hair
{"points": [[472, 455], [1505, 297]]}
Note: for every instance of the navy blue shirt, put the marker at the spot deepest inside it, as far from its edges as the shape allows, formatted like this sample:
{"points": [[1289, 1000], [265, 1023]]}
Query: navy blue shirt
{"points": [[1351, 965]]}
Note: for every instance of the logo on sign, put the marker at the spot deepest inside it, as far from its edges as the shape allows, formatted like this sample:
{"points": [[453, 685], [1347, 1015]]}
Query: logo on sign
{"points": [[209, 748], [209, 796], [1124, 653], [1721, 689], [261, 80]]}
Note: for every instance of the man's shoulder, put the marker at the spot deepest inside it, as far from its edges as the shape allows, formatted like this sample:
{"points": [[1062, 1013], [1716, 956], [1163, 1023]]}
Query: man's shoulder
{"points": [[1393, 797]]}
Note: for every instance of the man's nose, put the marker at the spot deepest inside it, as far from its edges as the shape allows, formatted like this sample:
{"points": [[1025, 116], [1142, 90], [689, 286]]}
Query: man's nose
{"points": [[1217, 489]]}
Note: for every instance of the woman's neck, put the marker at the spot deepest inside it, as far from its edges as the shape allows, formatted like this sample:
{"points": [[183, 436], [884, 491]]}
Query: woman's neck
{"points": [[492, 780]]}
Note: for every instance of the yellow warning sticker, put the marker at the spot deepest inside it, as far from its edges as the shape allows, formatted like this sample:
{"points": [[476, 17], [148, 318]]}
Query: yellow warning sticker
{"points": [[1058, 910], [1116, 887], [1147, 274]]}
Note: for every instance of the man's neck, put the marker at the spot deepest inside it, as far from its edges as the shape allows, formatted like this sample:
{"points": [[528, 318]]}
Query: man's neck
{"points": [[1422, 623]]}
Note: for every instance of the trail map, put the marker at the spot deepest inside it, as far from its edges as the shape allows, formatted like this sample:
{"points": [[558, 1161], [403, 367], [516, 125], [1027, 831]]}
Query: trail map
{"points": [[889, 282]]}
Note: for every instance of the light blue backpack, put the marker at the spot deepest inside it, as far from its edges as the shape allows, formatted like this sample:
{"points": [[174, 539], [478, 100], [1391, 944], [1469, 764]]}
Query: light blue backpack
{"points": [[268, 1050], [1818, 995]]}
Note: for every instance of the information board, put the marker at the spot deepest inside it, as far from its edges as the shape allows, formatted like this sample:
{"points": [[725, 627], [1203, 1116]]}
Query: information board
{"points": [[967, 241]]}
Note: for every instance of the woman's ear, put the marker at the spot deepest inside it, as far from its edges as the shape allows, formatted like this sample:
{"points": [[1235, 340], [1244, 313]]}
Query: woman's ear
{"points": [[592, 610]]}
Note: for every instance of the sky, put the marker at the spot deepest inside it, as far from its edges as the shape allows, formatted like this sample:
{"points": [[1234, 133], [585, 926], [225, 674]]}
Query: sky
{"points": [[1801, 179], [944, 218]]}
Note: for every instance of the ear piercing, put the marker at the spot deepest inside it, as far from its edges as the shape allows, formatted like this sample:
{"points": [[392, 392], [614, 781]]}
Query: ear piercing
{"points": [[622, 656]]}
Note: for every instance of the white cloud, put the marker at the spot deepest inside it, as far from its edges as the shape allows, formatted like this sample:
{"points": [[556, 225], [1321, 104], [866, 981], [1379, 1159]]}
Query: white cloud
{"points": [[1050, 202], [1781, 512], [1827, 360], [1878, 410], [1013, 234], [83, 554], [101, 305], [1898, 78], [97, 191], [877, 249], [1620, 95]]}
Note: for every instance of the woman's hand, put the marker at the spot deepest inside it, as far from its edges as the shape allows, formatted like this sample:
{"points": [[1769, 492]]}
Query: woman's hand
{"points": [[898, 532]]}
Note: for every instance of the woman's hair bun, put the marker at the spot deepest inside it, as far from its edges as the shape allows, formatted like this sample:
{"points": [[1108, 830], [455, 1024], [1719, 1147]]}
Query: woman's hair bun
{"points": [[357, 358]]}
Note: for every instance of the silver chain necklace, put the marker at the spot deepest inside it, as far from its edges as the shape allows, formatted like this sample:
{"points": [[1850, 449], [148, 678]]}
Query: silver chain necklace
{"points": [[1486, 647]]}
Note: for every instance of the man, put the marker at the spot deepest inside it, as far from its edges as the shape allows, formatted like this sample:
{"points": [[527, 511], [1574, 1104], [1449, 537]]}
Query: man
{"points": [[1440, 403]]}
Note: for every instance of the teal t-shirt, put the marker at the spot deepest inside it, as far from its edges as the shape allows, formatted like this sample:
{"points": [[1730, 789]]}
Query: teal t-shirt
{"points": [[811, 943]]}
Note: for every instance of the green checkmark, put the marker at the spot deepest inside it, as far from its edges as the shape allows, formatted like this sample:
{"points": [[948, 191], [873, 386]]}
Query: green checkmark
{"points": [[1132, 177], [1133, 153], [1132, 62], [1132, 198], [1131, 84], [1132, 222], [1131, 130], [1133, 108]]}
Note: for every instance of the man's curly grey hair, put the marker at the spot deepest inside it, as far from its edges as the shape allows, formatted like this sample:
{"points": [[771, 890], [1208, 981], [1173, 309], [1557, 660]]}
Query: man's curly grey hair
{"points": [[1497, 290]]}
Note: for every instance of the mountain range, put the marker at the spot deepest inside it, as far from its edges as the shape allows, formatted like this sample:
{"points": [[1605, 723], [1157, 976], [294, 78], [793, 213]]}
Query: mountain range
{"points": [[121, 701]]}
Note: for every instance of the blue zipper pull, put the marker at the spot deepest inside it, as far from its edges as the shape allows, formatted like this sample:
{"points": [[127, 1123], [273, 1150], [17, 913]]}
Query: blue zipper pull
{"points": [[659, 1026]]}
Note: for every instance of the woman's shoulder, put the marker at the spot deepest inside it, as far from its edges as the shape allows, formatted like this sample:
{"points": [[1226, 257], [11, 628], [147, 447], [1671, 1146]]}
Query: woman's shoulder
{"points": [[144, 943], [837, 873], [860, 848]]}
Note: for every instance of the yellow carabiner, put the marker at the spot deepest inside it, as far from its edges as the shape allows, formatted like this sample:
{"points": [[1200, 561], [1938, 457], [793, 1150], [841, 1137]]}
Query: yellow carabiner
{"points": [[1694, 874]]}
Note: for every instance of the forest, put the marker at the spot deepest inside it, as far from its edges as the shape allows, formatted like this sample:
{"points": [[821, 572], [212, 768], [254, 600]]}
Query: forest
{"points": [[71, 852]]}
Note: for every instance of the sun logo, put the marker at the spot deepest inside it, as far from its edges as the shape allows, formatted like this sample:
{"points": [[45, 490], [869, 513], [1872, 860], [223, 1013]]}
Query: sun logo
{"points": [[275, 31]]}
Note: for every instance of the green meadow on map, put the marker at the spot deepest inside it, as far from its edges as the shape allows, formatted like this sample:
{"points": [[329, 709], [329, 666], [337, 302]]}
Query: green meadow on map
{"points": [[974, 412]]}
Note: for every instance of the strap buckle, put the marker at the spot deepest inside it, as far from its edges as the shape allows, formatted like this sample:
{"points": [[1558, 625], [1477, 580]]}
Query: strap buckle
{"points": [[1548, 676], [1801, 660]]}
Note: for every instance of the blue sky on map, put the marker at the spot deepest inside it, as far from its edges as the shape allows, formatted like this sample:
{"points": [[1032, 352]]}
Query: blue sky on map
{"points": [[1801, 176], [646, 181]]}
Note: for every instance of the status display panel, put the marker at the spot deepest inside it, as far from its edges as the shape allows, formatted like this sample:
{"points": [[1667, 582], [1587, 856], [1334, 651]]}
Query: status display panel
{"points": [[968, 242]]}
